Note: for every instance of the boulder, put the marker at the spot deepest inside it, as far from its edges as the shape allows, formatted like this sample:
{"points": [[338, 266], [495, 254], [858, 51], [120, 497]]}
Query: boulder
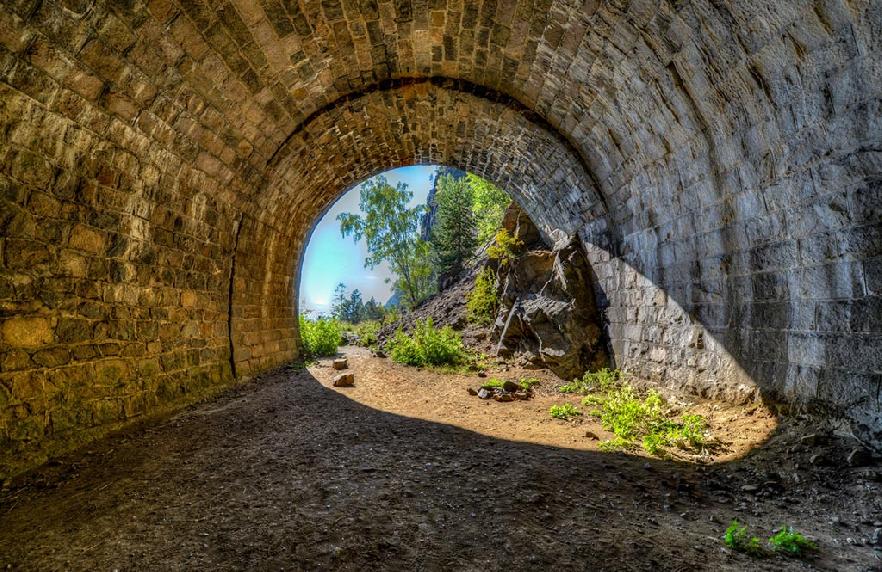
{"points": [[510, 386], [549, 312], [344, 380], [341, 363]]}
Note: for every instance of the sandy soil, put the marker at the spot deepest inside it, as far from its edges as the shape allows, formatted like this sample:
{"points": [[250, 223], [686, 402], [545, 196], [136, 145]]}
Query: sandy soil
{"points": [[406, 471]]}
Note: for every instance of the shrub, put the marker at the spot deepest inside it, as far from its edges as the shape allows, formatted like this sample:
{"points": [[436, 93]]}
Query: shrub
{"points": [[493, 382], [528, 382], [320, 337], [483, 303], [427, 346], [504, 247], [566, 411], [791, 542], [631, 417], [367, 332], [598, 381], [738, 539]]}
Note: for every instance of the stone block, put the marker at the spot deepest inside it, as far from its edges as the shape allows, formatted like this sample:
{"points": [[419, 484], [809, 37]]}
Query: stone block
{"points": [[344, 380], [27, 332], [341, 363]]}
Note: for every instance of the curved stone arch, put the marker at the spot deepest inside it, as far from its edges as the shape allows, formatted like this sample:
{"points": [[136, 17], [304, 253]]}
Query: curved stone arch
{"points": [[407, 123]]}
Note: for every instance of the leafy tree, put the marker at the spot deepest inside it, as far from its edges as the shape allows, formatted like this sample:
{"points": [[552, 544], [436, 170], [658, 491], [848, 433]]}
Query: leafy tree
{"points": [[454, 236], [373, 310], [489, 203], [390, 230]]}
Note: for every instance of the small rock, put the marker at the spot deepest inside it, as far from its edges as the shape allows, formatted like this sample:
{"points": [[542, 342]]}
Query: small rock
{"points": [[503, 397], [472, 391], [510, 386], [484, 394], [859, 457], [482, 374], [749, 488], [344, 380], [379, 353], [592, 435], [876, 539], [341, 363]]}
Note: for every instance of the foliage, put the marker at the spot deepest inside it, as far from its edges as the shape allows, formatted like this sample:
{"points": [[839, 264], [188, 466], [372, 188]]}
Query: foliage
{"points": [[390, 230], [632, 417], [488, 203], [528, 382], [791, 542], [367, 332], [454, 235], [738, 539], [483, 301], [493, 382], [602, 380], [567, 411], [320, 337], [427, 346], [353, 309], [504, 247]]}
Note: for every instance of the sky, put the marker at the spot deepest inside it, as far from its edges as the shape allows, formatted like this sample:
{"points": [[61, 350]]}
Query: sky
{"points": [[331, 259]]}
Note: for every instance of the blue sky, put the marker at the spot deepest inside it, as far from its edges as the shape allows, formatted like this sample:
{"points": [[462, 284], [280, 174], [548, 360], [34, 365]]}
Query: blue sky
{"points": [[330, 259]]}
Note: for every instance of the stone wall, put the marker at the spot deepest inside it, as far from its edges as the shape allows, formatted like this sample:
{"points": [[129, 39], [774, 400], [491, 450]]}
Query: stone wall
{"points": [[162, 160]]}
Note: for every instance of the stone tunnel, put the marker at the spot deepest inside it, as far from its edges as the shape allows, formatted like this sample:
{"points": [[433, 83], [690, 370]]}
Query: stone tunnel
{"points": [[162, 163]]}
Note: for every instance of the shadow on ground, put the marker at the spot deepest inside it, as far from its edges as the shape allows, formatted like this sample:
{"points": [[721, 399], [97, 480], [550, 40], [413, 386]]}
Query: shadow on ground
{"points": [[287, 474]]}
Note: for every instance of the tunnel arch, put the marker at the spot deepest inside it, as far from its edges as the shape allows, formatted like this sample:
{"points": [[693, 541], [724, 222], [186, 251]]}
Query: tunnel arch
{"points": [[146, 146]]}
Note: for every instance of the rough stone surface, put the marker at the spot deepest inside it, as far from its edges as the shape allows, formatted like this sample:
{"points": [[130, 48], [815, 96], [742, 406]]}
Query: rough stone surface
{"points": [[162, 162], [548, 311], [344, 380], [341, 363]]}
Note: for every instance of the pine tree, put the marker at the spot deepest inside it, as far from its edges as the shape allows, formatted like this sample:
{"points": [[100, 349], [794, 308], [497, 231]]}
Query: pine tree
{"points": [[454, 237]]}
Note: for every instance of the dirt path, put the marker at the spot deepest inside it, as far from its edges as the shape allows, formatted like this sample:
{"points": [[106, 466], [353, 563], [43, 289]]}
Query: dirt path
{"points": [[288, 473]]}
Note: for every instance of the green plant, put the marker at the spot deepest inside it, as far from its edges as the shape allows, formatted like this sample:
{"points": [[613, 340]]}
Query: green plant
{"points": [[602, 380], [493, 382], [483, 302], [567, 411], [367, 332], [504, 247], [528, 382], [427, 346], [391, 233], [320, 337], [631, 417], [791, 542], [737, 538]]}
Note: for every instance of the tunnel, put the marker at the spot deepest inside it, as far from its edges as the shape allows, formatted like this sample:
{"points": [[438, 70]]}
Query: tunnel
{"points": [[163, 161]]}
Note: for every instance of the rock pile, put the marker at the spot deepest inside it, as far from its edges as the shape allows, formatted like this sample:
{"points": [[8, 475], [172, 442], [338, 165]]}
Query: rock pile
{"points": [[508, 391]]}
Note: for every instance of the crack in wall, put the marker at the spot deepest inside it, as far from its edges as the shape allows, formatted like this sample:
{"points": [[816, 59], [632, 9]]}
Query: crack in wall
{"points": [[230, 293]]}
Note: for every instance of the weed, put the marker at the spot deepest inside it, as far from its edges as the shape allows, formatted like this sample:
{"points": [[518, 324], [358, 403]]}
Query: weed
{"points": [[320, 337], [428, 346], [597, 381], [791, 542], [527, 383], [483, 302], [493, 382], [567, 411], [631, 417], [367, 332], [738, 539]]}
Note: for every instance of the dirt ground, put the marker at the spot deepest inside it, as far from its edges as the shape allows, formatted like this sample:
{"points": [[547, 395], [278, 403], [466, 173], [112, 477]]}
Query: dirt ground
{"points": [[406, 471]]}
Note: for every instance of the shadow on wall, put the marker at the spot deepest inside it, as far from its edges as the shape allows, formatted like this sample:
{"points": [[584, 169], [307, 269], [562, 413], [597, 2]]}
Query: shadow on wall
{"points": [[301, 475]]}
